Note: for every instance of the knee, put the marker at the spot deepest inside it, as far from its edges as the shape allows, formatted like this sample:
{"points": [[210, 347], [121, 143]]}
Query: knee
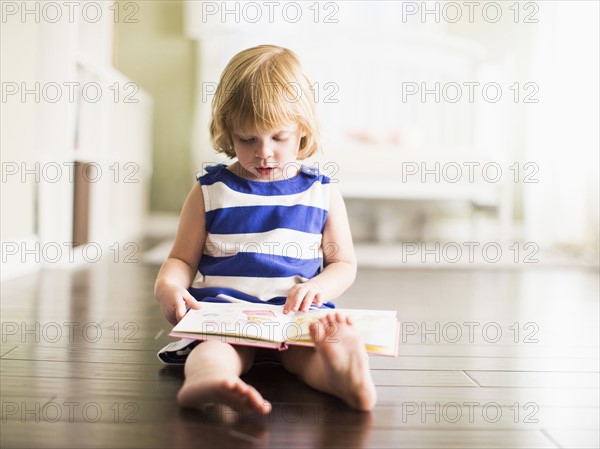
{"points": [[210, 350], [217, 353]]}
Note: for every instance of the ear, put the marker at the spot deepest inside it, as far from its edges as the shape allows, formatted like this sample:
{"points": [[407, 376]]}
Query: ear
{"points": [[303, 142]]}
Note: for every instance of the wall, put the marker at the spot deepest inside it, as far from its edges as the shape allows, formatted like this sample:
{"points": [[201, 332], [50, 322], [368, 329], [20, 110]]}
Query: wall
{"points": [[18, 143], [154, 53]]}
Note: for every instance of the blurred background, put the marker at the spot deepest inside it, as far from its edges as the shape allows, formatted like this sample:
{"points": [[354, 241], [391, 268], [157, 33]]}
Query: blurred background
{"points": [[461, 133]]}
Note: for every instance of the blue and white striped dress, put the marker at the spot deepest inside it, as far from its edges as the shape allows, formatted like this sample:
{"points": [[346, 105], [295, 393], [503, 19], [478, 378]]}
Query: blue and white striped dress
{"points": [[262, 238]]}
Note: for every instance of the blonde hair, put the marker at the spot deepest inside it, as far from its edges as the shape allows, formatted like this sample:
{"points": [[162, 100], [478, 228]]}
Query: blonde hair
{"points": [[263, 88]]}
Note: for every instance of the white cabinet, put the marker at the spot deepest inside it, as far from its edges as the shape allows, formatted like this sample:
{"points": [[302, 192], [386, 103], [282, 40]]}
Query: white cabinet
{"points": [[91, 131]]}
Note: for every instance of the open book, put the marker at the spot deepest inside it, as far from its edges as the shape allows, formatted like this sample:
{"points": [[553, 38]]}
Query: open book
{"points": [[267, 326]]}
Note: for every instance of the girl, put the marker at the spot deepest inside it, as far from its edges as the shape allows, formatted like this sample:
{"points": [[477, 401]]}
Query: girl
{"points": [[238, 224]]}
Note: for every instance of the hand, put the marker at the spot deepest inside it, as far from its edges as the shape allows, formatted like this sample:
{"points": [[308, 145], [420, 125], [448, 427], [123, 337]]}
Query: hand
{"points": [[173, 300], [301, 296]]}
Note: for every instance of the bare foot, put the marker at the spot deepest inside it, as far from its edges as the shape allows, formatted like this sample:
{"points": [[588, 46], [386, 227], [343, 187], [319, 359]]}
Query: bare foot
{"points": [[234, 393], [345, 360]]}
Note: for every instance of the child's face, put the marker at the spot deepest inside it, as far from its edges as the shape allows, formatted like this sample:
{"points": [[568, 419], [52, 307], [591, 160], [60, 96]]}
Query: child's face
{"points": [[269, 156]]}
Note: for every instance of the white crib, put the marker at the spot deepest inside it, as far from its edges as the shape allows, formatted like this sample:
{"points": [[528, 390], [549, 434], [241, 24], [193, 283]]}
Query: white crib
{"points": [[416, 118]]}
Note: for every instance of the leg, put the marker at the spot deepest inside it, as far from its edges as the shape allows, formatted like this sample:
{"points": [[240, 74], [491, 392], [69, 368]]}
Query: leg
{"points": [[212, 374], [338, 364]]}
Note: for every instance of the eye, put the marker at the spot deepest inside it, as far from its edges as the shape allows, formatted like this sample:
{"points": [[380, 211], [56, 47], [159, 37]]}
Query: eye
{"points": [[279, 139], [249, 140]]}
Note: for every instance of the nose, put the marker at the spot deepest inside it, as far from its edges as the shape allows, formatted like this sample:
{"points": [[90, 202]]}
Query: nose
{"points": [[263, 150]]}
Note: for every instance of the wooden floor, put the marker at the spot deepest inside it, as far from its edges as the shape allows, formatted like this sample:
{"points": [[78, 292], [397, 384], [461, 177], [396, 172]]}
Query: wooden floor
{"points": [[488, 359]]}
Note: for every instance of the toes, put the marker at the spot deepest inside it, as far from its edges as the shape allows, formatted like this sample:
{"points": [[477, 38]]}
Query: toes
{"points": [[247, 395], [327, 327], [255, 398], [331, 331], [229, 392], [316, 330], [336, 317], [239, 387]]}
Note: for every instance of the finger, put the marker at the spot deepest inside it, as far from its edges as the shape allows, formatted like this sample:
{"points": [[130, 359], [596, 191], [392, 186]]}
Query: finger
{"points": [[288, 305], [288, 302], [307, 301], [171, 316], [318, 300], [292, 300], [291, 305], [180, 311], [301, 300], [191, 301]]}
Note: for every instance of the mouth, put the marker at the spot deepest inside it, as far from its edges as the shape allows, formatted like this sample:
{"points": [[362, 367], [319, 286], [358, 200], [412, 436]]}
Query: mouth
{"points": [[266, 170]]}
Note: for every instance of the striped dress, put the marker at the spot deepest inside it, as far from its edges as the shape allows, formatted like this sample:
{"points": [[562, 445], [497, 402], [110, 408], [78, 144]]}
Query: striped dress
{"points": [[262, 238]]}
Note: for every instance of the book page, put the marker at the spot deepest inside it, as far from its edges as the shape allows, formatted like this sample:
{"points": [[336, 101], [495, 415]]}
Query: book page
{"points": [[251, 323], [245, 320], [378, 328]]}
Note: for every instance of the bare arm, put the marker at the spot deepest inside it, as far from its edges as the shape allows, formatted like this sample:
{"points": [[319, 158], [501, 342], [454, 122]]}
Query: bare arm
{"points": [[339, 261], [179, 270]]}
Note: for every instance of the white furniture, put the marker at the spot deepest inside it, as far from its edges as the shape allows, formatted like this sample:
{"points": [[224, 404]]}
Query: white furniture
{"points": [[88, 119], [417, 118], [108, 128]]}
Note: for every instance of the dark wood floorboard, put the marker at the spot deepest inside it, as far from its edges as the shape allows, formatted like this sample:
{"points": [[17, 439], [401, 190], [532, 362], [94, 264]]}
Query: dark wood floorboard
{"points": [[79, 369]]}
